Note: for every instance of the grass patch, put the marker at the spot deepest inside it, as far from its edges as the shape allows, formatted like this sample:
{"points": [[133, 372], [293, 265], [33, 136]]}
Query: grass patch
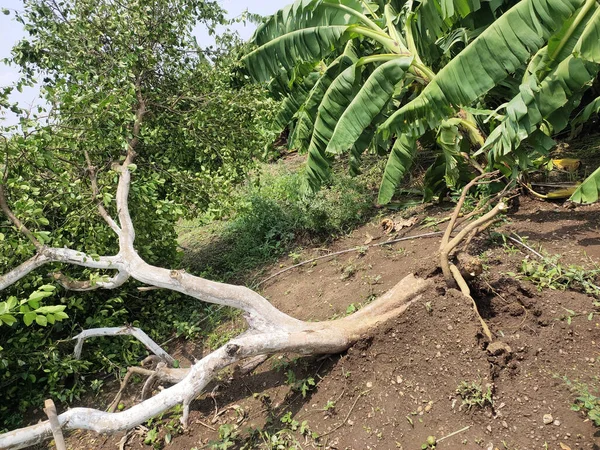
{"points": [[273, 214], [550, 273], [475, 394], [587, 400]]}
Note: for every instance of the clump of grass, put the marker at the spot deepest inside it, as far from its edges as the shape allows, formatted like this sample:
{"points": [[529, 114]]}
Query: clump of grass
{"points": [[587, 400], [271, 216], [474, 394], [551, 274]]}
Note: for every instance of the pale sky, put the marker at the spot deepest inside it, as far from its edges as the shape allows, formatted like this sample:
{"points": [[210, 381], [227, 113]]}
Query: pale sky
{"points": [[11, 31]]}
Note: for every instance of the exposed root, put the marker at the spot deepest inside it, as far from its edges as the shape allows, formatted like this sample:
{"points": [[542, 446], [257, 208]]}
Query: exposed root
{"points": [[452, 274]]}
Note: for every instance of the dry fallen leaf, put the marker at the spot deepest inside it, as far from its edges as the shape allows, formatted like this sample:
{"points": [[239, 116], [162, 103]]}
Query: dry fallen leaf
{"points": [[390, 226], [387, 225], [564, 446], [568, 164]]}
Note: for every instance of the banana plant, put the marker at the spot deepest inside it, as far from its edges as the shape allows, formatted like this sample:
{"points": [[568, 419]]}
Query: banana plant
{"points": [[387, 73]]}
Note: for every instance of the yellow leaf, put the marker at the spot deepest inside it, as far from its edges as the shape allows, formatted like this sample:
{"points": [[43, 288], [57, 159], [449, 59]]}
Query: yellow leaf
{"points": [[570, 164], [562, 193]]}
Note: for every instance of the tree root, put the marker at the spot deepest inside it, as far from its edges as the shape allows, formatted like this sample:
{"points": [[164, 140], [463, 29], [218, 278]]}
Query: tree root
{"points": [[452, 274]]}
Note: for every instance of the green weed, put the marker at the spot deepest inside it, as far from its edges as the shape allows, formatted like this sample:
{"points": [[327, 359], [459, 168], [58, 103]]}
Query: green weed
{"points": [[474, 394], [549, 273], [269, 217], [587, 400]]}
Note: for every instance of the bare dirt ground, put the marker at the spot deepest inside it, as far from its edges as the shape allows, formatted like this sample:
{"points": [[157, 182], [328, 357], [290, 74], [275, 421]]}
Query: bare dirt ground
{"points": [[393, 390]]}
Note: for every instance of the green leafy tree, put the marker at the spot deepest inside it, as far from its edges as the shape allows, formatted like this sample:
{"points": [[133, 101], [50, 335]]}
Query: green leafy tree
{"points": [[381, 75], [114, 77]]}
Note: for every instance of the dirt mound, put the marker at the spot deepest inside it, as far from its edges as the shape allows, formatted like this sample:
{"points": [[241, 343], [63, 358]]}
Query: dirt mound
{"points": [[398, 387]]}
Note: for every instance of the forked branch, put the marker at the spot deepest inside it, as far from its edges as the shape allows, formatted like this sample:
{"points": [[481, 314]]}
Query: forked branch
{"points": [[301, 337], [269, 329]]}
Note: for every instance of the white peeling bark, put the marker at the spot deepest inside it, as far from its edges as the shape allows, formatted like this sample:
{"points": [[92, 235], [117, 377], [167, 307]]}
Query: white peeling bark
{"points": [[270, 330], [140, 335], [303, 338]]}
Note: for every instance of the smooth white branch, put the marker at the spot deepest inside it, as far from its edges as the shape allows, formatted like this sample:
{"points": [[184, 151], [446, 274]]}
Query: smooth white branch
{"points": [[303, 338], [140, 335], [63, 255]]}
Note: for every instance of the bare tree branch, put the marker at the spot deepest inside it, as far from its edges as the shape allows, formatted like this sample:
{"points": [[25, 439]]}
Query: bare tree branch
{"points": [[88, 285], [119, 331], [47, 255], [96, 192], [303, 338]]}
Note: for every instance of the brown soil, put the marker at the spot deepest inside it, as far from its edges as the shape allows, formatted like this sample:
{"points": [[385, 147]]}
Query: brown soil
{"points": [[394, 390]]}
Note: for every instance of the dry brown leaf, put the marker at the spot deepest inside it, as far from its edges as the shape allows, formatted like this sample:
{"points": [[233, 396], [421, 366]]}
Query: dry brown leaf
{"points": [[387, 225], [390, 226], [564, 446], [405, 223]]}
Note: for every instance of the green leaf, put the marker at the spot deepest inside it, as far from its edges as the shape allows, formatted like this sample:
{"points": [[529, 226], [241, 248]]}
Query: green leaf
{"points": [[306, 30], [47, 288], [29, 317], [41, 320], [368, 103], [399, 162], [588, 191], [307, 114], [336, 100], [535, 103], [50, 309], [60, 316], [502, 48], [562, 43], [292, 103], [11, 302], [7, 319], [587, 47], [38, 295], [585, 114]]}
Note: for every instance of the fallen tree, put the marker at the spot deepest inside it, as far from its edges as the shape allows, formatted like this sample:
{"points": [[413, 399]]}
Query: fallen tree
{"points": [[269, 330]]}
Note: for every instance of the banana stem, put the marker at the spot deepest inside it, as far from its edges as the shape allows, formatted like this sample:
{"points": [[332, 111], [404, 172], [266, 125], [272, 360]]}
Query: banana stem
{"points": [[360, 16], [382, 38]]}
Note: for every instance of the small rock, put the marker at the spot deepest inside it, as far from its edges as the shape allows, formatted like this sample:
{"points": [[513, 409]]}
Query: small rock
{"points": [[429, 406], [370, 385], [547, 419], [498, 348], [489, 428], [504, 424], [556, 423], [398, 379]]}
